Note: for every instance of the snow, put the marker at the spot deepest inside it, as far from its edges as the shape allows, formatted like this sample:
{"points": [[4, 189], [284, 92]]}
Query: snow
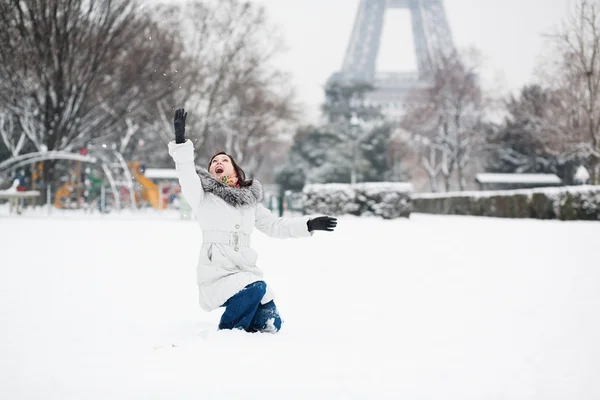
{"points": [[12, 192], [518, 178], [434, 307], [370, 187], [582, 174], [12, 188], [490, 193]]}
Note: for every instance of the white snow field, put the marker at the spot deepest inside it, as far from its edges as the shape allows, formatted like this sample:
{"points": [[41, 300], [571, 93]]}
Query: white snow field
{"points": [[426, 308]]}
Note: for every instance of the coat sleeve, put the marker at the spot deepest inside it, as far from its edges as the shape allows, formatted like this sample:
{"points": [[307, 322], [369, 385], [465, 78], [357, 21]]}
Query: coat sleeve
{"points": [[191, 187], [280, 228]]}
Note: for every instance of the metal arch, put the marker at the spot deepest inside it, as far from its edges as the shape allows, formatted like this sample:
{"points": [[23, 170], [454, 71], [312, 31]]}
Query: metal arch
{"points": [[113, 186], [111, 180], [31, 158], [43, 156], [128, 177]]}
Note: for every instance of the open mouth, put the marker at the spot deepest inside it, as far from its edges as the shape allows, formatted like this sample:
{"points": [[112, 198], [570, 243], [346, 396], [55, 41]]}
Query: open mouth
{"points": [[219, 170]]}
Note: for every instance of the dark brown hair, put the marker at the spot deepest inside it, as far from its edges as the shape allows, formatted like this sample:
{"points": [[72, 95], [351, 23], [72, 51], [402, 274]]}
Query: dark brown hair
{"points": [[241, 175]]}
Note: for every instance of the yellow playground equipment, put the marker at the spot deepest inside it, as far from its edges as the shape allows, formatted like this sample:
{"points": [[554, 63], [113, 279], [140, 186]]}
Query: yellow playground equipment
{"points": [[63, 193], [157, 195], [65, 196], [150, 190]]}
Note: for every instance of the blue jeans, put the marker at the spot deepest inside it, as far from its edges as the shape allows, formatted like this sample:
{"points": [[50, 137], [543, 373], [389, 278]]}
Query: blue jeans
{"points": [[244, 311]]}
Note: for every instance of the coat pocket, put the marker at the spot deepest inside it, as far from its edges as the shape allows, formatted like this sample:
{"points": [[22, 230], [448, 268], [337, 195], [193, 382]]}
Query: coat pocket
{"points": [[206, 254], [250, 257]]}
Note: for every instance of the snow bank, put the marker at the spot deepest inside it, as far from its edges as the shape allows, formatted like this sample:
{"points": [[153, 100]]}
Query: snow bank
{"points": [[445, 308], [551, 179], [565, 203], [383, 199]]}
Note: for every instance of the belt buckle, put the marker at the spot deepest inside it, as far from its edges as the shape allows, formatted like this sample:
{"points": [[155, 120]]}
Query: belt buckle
{"points": [[234, 240]]}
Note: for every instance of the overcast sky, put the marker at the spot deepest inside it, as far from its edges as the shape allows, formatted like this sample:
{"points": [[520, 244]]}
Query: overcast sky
{"points": [[508, 33]]}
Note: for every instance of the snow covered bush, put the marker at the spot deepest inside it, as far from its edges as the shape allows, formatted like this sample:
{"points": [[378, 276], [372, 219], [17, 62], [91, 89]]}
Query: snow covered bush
{"points": [[383, 199], [565, 203]]}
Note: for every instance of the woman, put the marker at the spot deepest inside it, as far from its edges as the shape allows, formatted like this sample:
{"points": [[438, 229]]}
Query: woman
{"points": [[227, 207]]}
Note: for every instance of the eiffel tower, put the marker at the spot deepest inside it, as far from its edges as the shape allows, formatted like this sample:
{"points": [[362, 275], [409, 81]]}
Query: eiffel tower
{"points": [[431, 37]]}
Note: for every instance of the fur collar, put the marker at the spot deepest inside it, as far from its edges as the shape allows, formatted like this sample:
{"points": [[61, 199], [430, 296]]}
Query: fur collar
{"points": [[237, 197]]}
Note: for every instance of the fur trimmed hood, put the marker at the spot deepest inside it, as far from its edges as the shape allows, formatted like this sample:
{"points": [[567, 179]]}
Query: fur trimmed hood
{"points": [[237, 197]]}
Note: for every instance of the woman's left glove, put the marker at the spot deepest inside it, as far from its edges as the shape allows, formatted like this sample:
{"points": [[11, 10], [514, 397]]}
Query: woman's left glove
{"points": [[321, 224]]}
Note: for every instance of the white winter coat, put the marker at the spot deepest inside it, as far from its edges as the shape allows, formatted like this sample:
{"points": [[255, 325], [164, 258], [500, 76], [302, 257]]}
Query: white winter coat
{"points": [[227, 217]]}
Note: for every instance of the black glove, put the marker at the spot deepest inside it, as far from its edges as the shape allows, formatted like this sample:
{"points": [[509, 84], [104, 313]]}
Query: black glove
{"points": [[179, 122], [321, 224]]}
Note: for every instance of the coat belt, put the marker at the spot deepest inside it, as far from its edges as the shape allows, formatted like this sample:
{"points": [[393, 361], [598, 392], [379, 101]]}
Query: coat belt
{"points": [[236, 239]]}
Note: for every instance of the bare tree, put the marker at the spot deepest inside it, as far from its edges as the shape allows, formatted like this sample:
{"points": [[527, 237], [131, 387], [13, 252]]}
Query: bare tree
{"points": [[259, 117], [577, 78], [71, 71], [534, 136], [237, 101], [51, 53], [448, 114], [146, 77], [419, 120]]}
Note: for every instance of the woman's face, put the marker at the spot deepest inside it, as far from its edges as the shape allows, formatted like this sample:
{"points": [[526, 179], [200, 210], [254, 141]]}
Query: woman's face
{"points": [[221, 166]]}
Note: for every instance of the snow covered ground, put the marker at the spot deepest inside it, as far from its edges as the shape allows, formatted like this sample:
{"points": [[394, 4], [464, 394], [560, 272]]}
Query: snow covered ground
{"points": [[428, 308]]}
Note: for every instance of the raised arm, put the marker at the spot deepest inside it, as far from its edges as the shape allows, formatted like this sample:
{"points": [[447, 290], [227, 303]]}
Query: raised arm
{"points": [[182, 152]]}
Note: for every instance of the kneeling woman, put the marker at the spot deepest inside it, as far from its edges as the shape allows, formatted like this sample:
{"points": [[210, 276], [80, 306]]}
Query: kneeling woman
{"points": [[227, 207]]}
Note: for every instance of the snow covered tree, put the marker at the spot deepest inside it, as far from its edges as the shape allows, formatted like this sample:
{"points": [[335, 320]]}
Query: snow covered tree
{"points": [[255, 128], [343, 148], [309, 158], [447, 115], [73, 71], [13, 137], [364, 136], [4, 152], [517, 145], [425, 141], [577, 77], [381, 158], [146, 76], [527, 141]]}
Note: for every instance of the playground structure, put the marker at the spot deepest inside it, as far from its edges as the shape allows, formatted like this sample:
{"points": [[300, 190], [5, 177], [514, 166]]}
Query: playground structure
{"points": [[81, 185], [122, 184], [108, 160], [158, 185]]}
